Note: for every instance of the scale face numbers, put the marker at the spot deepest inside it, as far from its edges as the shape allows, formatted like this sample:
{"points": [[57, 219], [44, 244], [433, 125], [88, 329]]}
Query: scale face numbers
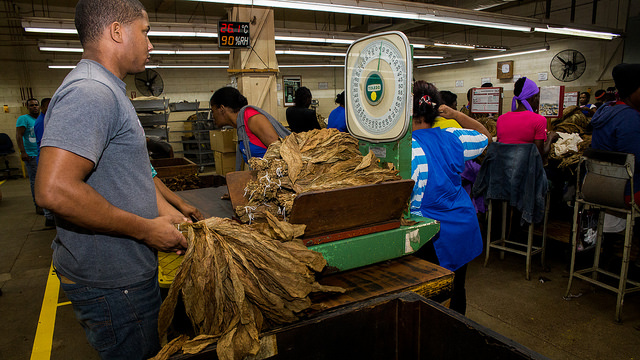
{"points": [[378, 89]]}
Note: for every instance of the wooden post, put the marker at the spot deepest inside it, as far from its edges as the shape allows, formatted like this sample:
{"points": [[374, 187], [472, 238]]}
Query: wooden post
{"points": [[255, 69]]}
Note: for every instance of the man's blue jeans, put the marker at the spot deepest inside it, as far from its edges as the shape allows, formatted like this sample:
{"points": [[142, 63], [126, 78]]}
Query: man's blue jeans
{"points": [[31, 164], [119, 323]]}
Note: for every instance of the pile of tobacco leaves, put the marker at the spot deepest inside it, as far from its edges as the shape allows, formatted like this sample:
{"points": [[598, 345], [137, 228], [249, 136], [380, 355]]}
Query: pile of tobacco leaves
{"points": [[309, 161], [237, 280], [183, 182]]}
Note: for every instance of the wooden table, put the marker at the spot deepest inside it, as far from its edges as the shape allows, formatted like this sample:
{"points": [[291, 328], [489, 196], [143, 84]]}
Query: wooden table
{"points": [[407, 273]]}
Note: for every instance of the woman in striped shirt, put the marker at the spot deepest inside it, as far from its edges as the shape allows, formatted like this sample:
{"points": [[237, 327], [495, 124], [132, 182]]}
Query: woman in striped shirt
{"points": [[438, 157]]}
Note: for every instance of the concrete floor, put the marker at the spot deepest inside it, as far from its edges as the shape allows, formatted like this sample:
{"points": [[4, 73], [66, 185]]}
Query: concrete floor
{"points": [[532, 313]]}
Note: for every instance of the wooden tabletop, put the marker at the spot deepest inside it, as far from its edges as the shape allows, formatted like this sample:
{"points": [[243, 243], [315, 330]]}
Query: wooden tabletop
{"points": [[208, 201], [407, 273]]}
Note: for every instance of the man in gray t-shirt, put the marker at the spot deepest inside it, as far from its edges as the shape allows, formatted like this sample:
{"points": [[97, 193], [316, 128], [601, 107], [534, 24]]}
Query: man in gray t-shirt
{"points": [[94, 175]]}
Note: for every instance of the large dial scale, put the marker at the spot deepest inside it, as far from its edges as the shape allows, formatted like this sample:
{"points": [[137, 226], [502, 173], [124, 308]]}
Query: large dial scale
{"points": [[378, 87]]}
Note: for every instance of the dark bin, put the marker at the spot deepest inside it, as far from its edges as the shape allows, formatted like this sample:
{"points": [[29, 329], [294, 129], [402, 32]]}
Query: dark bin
{"points": [[399, 326]]}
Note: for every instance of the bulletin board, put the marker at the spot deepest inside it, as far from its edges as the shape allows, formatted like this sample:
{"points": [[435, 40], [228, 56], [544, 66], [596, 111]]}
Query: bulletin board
{"points": [[486, 100], [289, 86], [551, 101]]}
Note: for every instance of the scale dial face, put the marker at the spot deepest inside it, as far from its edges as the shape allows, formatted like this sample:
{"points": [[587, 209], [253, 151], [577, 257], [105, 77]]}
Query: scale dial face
{"points": [[378, 89]]}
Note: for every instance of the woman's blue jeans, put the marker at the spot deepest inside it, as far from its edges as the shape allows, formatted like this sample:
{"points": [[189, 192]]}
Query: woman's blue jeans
{"points": [[119, 323]]}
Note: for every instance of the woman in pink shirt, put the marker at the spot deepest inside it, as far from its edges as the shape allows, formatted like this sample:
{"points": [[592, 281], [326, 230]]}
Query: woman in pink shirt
{"points": [[523, 125]]}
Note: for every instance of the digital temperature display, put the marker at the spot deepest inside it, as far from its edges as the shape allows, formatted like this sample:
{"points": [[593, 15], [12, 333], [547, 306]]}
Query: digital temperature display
{"points": [[233, 34]]}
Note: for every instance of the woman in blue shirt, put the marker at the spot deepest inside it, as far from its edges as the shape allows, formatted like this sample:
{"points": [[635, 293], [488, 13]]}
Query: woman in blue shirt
{"points": [[337, 118], [438, 157]]}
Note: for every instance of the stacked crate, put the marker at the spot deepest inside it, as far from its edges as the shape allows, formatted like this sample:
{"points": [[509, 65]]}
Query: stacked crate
{"points": [[223, 144]]}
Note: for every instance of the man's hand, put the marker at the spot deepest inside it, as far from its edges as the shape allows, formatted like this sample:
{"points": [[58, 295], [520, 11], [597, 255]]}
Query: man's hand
{"points": [[162, 234], [191, 212]]}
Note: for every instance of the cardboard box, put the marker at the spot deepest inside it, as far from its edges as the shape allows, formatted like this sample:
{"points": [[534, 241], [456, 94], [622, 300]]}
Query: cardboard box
{"points": [[225, 162], [223, 140]]}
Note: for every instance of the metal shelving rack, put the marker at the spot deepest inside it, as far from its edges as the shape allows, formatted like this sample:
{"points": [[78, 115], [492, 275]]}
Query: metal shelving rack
{"points": [[154, 116], [197, 146]]}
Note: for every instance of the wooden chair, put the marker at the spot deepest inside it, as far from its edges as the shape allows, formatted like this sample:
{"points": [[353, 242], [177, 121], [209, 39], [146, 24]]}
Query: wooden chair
{"points": [[607, 174]]}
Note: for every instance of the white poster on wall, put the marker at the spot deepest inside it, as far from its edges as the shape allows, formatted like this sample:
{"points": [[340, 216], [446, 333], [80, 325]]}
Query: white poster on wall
{"points": [[485, 80], [543, 76], [459, 83]]}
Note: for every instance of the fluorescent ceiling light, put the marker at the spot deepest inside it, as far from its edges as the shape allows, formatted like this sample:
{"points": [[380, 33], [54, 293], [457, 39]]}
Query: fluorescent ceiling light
{"points": [[511, 54], [202, 52], [387, 10], [189, 52], [156, 66], [312, 53], [187, 66], [427, 57], [577, 32], [471, 47], [443, 63], [311, 66], [490, 48], [151, 32], [183, 33], [467, 22], [60, 49], [50, 30], [313, 39]]}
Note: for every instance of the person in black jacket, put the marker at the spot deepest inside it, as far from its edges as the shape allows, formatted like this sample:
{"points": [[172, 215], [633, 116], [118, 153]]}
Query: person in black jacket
{"points": [[300, 117]]}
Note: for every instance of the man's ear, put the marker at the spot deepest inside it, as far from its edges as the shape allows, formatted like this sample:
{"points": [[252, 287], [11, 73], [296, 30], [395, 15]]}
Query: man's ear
{"points": [[116, 31]]}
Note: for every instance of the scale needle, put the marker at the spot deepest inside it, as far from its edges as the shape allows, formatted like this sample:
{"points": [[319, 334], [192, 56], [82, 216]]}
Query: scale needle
{"points": [[380, 55]]}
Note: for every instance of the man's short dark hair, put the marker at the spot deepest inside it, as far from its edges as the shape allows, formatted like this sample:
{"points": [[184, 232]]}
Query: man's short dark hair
{"points": [[449, 98], [93, 16], [45, 101], [32, 99]]}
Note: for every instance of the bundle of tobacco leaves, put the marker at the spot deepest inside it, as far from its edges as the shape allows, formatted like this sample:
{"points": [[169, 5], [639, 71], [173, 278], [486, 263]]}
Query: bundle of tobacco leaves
{"points": [[489, 123], [183, 182], [309, 161], [571, 159], [237, 280], [321, 121]]}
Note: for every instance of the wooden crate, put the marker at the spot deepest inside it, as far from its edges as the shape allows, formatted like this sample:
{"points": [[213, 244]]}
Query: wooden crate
{"points": [[174, 167], [403, 326]]}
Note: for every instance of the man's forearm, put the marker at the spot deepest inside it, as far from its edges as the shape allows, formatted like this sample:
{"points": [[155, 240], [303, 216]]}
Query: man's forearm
{"points": [[80, 204]]}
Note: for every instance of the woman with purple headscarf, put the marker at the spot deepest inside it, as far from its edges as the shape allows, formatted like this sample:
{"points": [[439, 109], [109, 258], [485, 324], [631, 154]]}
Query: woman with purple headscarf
{"points": [[523, 125]]}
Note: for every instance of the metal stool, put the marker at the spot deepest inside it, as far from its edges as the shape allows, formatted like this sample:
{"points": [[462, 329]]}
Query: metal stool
{"points": [[505, 244], [509, 171], [603, 187]]}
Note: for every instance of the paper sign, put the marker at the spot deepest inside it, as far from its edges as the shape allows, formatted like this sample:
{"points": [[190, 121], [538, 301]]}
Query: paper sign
{"points": [[485, 100]]}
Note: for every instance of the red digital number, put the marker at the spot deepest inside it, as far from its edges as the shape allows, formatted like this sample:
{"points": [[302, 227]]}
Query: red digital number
{"points": [[223, 27]]}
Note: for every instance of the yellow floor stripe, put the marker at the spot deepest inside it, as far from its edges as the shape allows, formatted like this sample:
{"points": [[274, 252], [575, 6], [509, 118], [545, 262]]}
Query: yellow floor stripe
{"points": [[44, 333]]}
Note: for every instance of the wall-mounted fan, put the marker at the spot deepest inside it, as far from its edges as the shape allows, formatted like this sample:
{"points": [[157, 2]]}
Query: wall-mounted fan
{"points": [[149, 83], [568, 65]]}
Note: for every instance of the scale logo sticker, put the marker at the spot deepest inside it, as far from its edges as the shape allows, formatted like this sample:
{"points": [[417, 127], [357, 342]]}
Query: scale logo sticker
{"points": [[374, 88]]}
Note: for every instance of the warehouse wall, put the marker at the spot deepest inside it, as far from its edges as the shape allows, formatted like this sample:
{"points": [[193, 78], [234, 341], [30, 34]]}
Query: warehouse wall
{"points": [[601, 57], [199, 84]]}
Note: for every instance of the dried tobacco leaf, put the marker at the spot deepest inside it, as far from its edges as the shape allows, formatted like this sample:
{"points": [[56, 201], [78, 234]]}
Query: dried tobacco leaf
{"points": [[235, 281], [171, 348], [309, 161], [198, 344]]}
